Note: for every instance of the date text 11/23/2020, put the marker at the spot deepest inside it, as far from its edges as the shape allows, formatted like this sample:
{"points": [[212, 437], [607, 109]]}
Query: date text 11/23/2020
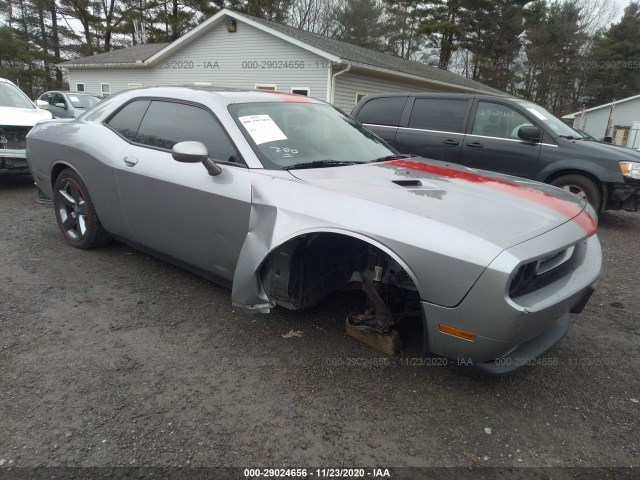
{"points": [[317, 472]]}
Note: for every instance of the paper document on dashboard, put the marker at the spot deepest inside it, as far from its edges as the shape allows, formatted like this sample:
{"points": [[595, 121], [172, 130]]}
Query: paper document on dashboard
{"points": [[262, 128]]}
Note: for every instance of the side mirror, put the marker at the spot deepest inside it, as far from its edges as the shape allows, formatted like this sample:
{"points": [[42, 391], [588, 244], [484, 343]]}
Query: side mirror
{"points": [[530, 134], [607, 139], [42, 104], [61, 105], [195, 152]]}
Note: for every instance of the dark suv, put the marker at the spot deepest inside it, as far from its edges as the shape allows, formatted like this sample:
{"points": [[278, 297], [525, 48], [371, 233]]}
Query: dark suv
{"points": [[506, 135]]}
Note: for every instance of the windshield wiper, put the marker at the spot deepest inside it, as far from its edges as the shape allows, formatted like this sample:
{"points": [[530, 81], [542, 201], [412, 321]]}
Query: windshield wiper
{"points": [[319, 164], [570, 137], [391, 157]]}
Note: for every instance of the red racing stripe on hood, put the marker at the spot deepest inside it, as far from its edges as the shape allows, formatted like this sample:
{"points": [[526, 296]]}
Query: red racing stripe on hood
{"points": [[567, 209]]}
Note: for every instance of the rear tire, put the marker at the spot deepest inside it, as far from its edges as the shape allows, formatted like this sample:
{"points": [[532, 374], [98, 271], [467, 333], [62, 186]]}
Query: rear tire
{"points": [[581, 186], [75, 213]]}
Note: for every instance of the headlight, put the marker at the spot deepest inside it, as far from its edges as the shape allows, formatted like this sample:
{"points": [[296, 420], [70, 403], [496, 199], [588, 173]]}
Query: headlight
{"points": [[630, 169]]}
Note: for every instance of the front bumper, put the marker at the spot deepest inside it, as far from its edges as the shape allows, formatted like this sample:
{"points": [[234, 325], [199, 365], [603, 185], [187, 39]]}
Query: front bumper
{"points": [[511, 330], [13, 159], [624, 196]]}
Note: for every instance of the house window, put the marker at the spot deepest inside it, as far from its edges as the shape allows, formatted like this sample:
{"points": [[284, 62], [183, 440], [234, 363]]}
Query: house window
{"points": [[360, 96], [306, 91], [266, 87], [105, 88], [134, 85], [79, 87]]}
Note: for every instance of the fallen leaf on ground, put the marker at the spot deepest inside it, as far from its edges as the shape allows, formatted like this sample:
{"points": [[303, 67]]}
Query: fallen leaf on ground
{"points": [[293, 333]]}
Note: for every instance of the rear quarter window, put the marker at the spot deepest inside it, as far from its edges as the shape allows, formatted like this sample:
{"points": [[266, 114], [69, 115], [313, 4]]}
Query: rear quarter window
{"points": [[382, 111], [127, 121]]}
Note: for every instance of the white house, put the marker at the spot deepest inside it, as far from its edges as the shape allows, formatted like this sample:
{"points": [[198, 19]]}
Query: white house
{"points": [[619, 120], [231, 49]]}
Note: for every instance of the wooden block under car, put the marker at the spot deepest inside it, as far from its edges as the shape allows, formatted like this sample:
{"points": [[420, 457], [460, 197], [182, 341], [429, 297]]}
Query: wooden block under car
{"points": [[389, 344]]}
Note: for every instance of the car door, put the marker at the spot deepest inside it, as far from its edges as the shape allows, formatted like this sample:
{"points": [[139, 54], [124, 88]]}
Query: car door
{"points": [[435, 128], [492, 141], [382, 116], [178, 209]]}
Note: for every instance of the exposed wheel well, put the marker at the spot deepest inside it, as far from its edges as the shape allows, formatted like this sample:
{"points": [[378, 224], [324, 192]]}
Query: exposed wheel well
{"points": [[304, 270]]}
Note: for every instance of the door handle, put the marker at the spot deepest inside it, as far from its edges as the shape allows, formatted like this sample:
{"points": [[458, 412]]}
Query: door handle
{"points": [[475, 145], [451, 142], [130, 161]]}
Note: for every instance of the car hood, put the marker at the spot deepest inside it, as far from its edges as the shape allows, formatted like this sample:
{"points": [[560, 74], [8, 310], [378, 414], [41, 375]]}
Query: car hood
{"points": [[498, 208], [22, 117], [606, 151]]}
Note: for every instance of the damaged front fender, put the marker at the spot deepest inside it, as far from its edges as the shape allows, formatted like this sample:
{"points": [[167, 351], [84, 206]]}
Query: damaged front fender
{"points": [[274, 221]]}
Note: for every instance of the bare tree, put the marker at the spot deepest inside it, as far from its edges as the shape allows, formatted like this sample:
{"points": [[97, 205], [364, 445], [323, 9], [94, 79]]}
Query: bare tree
{"points": [[317, 16]]}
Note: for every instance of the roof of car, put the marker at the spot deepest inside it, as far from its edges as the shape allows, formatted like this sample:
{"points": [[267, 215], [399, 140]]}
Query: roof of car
{"points": [[72, 93], [236, 95], [442, 95]]}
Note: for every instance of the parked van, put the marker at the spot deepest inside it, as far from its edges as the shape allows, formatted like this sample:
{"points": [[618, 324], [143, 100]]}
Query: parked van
{"points": [[507, 135]]}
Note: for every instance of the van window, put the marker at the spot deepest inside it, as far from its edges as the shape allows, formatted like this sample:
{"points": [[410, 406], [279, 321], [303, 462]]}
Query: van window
{"points": [[438, 114], [500, 121], [382, 111]]}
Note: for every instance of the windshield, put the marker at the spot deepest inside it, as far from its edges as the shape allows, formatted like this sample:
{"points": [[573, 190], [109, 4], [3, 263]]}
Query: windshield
{"points": [[286, 134], [557, 126], [83, 101], [585, 135], [12, 96]]}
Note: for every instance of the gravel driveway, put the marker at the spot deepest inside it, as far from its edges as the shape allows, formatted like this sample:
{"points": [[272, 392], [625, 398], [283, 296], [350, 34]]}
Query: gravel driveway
{"points": [[112, 358]]}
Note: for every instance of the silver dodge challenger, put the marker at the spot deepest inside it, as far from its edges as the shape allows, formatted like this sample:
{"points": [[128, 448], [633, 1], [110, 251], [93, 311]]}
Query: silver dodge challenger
{"points": [[286, 199]]}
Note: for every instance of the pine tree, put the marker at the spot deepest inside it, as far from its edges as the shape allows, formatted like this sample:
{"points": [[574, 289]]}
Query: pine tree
{"points": [[361, 22], [441, 24], [615, 60]]}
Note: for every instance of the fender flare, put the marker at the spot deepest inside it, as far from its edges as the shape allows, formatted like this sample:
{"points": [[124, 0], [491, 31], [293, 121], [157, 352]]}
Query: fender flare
{"points": [[570, 165], [66, 164]]}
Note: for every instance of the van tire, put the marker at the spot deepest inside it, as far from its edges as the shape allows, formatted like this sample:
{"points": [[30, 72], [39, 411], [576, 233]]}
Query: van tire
{"points": [[582, 186]]}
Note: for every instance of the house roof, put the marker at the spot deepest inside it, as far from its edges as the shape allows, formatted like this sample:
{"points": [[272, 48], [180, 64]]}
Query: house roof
{"points": [[573, 115], [366, 57], [333, 50], [135, 55]]}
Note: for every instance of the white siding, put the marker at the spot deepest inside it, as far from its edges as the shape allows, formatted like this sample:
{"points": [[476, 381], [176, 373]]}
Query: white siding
{"points": [[349, 84], [229, 50], [595, 122]]}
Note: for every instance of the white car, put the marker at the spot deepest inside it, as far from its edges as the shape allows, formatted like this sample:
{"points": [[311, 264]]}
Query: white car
{"points": [[18, 115]]}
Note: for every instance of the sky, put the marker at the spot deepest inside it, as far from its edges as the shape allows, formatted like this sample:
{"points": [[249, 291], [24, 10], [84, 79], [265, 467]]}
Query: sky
{"points": [[620, 5]]}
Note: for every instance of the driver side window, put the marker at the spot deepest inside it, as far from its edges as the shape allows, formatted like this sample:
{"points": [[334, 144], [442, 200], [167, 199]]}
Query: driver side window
{"points": [[499, 121], [58, 98], [47, 97], [167, 123]]}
